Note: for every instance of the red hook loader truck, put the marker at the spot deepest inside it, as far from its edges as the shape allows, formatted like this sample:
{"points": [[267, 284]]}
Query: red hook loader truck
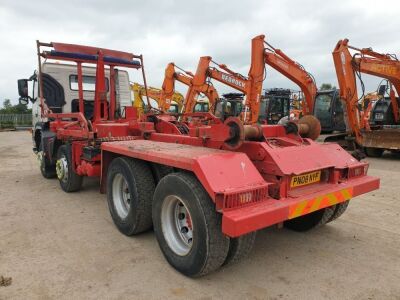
{"points": [[205, 185]]}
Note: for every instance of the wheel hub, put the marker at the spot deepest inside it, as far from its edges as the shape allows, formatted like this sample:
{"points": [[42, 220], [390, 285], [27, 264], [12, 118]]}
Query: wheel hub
{"points": [[121, 196], [177, 225], [62, 168], [40, 158]]}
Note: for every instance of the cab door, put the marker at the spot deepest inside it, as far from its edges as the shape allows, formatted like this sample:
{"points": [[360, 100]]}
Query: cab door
{"points": [[323, 110], [338, 114]]}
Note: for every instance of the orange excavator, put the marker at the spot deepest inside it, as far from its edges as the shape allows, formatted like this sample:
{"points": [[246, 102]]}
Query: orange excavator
{"points": [[321, 104], [377, 138], [185, 77], [294, 71], [201, 80], [250, 86]]}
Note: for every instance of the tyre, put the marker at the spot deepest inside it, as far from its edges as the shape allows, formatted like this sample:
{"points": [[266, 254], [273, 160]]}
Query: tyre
{"points": [[339, 209], [373, 152], [69, 180], [311, 220], [159, 171], [130, 189], [48, 171], [240, 247], [187, 226]]}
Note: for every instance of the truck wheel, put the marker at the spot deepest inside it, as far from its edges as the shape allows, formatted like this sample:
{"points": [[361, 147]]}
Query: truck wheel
{"points": [[373, 152], [240, 247], [130, 189], [48, 171], [311, 220], [69, 180], [340, 208], [187, 226], [159, 171]]}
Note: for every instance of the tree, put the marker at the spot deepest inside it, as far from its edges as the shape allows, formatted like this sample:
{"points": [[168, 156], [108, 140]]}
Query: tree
{"points": [[327, 86], [8, 108], [7, 104]]}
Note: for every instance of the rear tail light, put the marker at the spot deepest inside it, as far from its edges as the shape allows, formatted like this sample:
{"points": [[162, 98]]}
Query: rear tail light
{"points": [[244, 198], [358, 171]]}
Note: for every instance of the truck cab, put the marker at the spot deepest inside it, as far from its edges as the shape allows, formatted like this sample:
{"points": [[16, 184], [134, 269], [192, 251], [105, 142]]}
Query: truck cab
{"points": [[329, 110], [60, 91]]}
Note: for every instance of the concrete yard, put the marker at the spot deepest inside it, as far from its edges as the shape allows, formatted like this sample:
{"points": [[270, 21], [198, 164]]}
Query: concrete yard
{"points": [[57, 245]]}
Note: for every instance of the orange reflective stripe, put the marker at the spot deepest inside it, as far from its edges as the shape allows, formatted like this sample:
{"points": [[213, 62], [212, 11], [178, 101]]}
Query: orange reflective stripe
{"points": [[339, 196], [296, 210], [315, 205], [311, 205], [347, 193], [333, 199]]}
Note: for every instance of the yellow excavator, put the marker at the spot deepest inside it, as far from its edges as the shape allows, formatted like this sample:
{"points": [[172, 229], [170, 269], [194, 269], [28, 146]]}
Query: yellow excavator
{"points": [[139, 92]]}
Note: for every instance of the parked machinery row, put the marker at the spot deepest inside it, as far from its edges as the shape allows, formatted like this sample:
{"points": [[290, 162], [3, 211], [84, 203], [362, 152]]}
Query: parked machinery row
{"points": [[370, 123]]}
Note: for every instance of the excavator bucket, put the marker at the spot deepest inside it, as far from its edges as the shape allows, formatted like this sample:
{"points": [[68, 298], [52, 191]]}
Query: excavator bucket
{"points": [[382, 138]]}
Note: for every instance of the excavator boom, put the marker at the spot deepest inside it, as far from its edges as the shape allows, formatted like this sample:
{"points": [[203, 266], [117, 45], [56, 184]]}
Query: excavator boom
{"points": [[385, 67], [294, 71], [168, 89], [251, 85], [348, 66]]}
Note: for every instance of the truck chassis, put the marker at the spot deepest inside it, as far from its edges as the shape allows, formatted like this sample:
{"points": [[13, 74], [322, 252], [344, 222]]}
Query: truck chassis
{"points": [[204, 185]]}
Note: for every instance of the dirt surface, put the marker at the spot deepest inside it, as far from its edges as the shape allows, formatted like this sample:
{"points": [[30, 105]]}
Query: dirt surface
{"points": [[58, 245]]}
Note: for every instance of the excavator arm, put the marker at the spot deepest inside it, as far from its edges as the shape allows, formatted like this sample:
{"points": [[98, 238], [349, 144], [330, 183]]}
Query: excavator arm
{"points": [[381, 65], [168, 93], [347, 85], [137, 97], [365, 61], [168, 89], [200, 81], [288, 68], [251, 86]]}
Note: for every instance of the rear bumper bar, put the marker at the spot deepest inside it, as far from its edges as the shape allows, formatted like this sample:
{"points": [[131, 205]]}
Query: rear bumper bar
{"points": [[239, 221]]}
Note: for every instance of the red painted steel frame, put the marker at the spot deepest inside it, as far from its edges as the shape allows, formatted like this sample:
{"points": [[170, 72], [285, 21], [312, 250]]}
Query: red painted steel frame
{"points": [[227, 174], [219, 171], [240, 221], [250, 183], [100, 93]]}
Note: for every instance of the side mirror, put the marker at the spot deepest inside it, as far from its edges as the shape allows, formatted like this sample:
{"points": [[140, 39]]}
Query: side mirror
{"points": [[23, 101], [23, 88]]}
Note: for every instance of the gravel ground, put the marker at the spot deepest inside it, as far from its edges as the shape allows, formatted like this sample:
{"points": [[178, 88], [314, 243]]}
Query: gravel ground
{"points": [[59, 245]]}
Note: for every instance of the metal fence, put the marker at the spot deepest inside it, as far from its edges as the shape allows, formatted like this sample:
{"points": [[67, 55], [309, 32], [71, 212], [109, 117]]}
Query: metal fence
{"points": [[13, 120]]}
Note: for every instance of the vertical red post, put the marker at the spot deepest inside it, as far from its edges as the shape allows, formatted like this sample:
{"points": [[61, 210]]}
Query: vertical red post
{"points": [[40, 79], [80, 89], [100, 90], [112, 93]]}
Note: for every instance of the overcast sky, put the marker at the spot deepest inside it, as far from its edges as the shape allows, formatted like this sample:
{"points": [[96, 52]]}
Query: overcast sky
{"points": [[182, 31]]}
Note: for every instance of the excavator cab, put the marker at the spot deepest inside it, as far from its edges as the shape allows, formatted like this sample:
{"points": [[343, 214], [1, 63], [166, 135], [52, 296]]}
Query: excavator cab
{"points": [[329, 110], [382, 109], [275, 105], [174, 108], [382, 112], [231, 105], [202, 105]]}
